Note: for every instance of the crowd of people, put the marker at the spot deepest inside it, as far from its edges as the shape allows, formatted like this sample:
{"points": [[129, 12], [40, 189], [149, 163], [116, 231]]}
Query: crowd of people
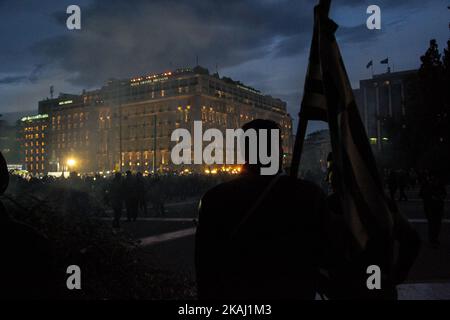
{"points": [[428, 186], [130, 193]]}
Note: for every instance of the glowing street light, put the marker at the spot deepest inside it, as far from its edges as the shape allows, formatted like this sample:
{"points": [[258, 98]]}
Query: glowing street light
{"points": [[71, 163]]}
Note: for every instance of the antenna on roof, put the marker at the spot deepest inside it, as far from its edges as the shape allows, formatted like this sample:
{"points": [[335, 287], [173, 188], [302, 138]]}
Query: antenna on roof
{"points": [[51, 91]]}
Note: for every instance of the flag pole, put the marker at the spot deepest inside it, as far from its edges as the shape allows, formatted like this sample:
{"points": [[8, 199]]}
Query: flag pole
{"points": [[298, 145], [303, 122]]}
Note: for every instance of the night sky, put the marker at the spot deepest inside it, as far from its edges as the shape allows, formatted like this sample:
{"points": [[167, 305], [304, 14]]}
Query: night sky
{"points": [[263, 43]]}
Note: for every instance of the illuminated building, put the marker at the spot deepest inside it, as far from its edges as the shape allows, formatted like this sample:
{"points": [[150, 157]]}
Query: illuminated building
{"points": [[34, 135], [70, 131], [127, 124]]}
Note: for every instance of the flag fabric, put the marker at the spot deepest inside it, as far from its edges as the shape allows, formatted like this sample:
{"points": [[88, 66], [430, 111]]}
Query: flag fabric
{"points": [[360, 190], [370, 64], [385, 61], [314, 106]]}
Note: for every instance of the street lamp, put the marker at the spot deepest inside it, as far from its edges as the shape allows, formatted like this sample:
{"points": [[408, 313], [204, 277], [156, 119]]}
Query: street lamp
{"points": [[71, 163]]}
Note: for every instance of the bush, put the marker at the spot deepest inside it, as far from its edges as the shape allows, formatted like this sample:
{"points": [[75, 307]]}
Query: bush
{"points": [[111, 263]]}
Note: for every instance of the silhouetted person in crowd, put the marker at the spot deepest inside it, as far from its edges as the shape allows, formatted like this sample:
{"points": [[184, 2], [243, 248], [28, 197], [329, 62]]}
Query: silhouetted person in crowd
{"points": [[433, 194], [412, 178], [116, 195], [141, 193], [392, 183], [403, 181], [27, 268], [131, 196], [348, 264], [261, 236]]}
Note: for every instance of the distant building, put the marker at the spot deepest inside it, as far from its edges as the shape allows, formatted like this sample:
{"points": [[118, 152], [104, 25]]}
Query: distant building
{"points": [[127, 124], [10, 142], [383, 102], [34, 143], [73, 129], [316, 148]]}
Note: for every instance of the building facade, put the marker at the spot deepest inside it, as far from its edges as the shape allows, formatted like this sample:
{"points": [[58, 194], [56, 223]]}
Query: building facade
{"points": [[316, 149], [127, 124], [383, 103], [34, 146]]}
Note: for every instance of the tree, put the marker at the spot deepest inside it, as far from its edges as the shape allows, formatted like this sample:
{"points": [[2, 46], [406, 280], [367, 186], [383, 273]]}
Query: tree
{"points": [[429, 119]]}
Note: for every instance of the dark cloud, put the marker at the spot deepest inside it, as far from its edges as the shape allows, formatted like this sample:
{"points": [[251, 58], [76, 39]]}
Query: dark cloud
{"points": [[292, 45], [36, 73], [33, 77], [264, 43], [357, 34], [12, 79], [122, 38], [125, 38], [384, 4]]}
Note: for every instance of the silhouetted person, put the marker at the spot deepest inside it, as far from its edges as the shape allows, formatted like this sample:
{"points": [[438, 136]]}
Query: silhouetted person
{"points": [[158, 195], [116, 194], [412, 178], [433, 194], [131, 196], [392, 183], [27, 268], [403, 181], [348, 264], [260, 236], [141, 192]]}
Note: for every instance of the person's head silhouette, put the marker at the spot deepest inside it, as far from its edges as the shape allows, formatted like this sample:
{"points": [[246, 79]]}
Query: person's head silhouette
{"points": [[4, 174], [258, 125]]}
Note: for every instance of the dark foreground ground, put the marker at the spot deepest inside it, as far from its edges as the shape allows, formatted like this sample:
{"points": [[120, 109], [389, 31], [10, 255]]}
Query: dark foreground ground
{"points": [[168, 241]]}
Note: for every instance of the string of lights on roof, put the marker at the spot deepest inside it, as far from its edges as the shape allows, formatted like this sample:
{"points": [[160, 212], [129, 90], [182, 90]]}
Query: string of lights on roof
{"points": [[160, 76], [152, 77]]}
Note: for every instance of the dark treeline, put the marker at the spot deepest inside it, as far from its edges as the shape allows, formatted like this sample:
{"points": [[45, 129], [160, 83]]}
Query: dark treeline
{"points": [[422, 137]]}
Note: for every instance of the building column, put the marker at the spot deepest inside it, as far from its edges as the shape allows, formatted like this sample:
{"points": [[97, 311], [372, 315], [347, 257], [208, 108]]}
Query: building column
{"points": [[377, 95]]}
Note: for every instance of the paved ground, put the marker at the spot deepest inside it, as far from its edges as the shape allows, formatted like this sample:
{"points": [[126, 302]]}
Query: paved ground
{"points": [[169, 243]]}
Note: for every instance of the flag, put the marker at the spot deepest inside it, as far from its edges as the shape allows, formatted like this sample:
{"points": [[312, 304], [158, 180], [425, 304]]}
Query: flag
{"points": [[370, 64], [385, 61], [360, 190], [313, 105]]}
